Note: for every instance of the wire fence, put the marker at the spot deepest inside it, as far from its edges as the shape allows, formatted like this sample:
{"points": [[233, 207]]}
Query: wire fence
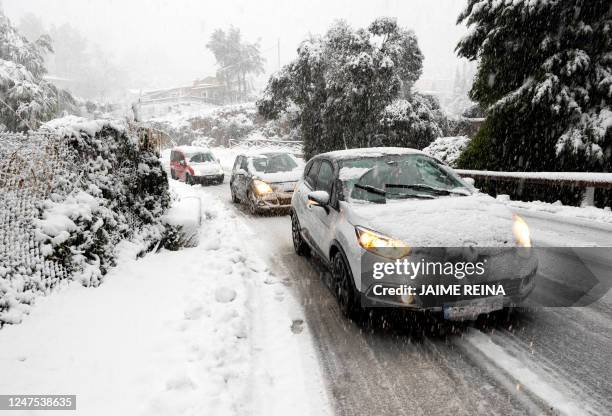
{"points": [[28, 165]]}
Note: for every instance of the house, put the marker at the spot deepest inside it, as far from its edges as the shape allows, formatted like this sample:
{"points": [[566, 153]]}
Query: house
{"points": [[208, 89]]}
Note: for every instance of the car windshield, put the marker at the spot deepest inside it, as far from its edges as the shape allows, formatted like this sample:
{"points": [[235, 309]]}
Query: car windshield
{"points": [[274, 162], [201, 158], [377, 179]]}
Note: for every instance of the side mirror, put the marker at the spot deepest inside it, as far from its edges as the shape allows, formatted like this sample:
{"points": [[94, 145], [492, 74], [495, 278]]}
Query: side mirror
{"points": [[318, 198], [470, 181]]}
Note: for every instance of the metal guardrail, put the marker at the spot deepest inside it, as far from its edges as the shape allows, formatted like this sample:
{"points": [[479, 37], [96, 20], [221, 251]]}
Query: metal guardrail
{"points": [[263, 142], [587, 180]]}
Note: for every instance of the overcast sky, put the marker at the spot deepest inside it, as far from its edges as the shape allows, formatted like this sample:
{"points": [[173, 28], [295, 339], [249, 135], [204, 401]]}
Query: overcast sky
{"points": [[163, 41]]}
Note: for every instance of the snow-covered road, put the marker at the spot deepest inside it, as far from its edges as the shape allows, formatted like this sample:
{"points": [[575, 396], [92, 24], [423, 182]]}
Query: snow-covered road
{"points": [[549, 361]]}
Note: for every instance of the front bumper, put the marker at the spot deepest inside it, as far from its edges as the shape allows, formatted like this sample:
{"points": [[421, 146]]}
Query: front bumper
{"points": [[274, 201], [206, 179]]}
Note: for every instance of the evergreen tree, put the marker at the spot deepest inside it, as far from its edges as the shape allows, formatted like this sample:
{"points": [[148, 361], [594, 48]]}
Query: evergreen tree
{"points": [[26, 99], [545, 77]]}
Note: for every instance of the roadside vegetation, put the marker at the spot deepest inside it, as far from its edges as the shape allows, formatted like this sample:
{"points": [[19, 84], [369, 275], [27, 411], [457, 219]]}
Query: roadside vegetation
{"points": [[545, 79]]}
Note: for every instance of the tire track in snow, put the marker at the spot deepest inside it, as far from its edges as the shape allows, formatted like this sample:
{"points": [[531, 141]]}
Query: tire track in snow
{"points": [[543, 384]]}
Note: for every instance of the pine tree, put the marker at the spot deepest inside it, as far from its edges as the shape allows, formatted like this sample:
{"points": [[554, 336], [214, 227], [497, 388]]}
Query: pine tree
{"points": [[26, 99], [545, 76]]}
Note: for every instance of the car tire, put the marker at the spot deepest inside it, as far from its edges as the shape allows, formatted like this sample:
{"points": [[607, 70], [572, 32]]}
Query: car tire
{"points": [[299, 245], [344, 288], [235, 199]]}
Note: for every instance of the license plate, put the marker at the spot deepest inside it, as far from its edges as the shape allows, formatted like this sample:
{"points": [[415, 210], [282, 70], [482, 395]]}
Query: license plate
{"points": [[470, 309]]}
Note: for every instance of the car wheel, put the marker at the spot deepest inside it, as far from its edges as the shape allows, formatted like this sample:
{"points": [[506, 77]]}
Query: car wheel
{"points": [[344, 287], [300, 246], [252, 203]]}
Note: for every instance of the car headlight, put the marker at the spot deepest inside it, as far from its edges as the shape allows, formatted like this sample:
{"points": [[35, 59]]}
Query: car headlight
{"points": [[521, 231], [381, 245], [261, 187]]}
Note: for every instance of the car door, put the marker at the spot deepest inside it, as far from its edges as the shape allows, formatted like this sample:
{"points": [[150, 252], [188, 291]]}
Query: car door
{"points": [[323, 219], [180, 166], [302, 206], [173, 164], [242, 177], [235, 179]]}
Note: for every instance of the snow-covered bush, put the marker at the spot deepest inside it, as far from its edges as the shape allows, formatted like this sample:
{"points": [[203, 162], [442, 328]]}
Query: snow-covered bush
{"points": [[410, 123], [447, 149], [75, 191]]}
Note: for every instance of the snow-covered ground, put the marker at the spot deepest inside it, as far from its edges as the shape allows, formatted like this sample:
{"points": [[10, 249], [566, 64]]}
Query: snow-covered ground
{"points": [[205, 330], [562, 212]]}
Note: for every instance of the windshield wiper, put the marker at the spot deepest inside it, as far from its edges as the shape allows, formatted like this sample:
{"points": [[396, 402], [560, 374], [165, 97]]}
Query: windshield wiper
{"points": [[371, 189], [378, 191], [423, 187]]}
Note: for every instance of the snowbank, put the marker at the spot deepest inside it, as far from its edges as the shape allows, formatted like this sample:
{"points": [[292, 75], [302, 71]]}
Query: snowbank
{"points": [[562, 211], [204, 330]]}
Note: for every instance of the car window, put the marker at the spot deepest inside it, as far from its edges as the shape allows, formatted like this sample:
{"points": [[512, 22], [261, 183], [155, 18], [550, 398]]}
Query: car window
{"points": [[325, 177], [274, 162], [307, 169], [201, 158], [311, 178], [237, 163], [244, 165]]}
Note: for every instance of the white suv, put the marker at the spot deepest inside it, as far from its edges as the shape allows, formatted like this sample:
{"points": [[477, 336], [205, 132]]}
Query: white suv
{"points": [[359, 202]]}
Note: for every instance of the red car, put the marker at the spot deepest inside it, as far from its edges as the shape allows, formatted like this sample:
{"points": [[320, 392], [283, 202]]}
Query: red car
{"points": [[192, 165]]}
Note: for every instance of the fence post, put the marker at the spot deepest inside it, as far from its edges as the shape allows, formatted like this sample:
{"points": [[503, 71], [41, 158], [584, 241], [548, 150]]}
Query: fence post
{"points": [[588, 199]]}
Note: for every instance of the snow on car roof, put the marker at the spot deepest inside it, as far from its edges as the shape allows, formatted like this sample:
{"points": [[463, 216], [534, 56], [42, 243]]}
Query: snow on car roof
{"points": [[371, 152], [263, 153], [192, 149]]}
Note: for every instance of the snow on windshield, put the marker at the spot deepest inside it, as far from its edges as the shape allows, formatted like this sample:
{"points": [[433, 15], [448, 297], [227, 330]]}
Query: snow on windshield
{"points": [[273, 163], [201, 158], [397, 177]]}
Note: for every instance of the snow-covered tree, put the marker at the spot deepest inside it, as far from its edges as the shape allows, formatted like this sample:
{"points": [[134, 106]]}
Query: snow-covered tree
{"points": [[236, 59], [345, 84], [26, 99], [412, 123], [545, 76]]}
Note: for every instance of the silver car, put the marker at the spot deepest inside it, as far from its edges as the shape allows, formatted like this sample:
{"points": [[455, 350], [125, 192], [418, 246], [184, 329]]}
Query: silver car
{"points": [[357, 206], [265, 181]]}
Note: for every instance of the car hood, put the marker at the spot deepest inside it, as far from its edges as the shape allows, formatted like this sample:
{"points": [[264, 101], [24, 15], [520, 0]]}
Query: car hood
{"points": [[452, 221], [205, 168], [277, 177]]}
